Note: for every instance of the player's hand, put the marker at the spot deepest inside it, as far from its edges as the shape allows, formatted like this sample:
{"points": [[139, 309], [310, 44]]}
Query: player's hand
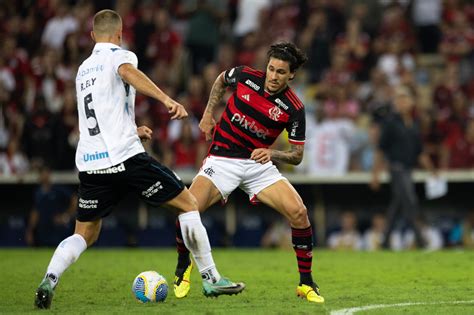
{"points": [[176, 110], [261, 155], [144, 133], [207, 125]]}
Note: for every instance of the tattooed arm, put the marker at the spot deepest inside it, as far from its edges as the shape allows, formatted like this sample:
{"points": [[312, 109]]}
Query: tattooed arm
{"points": [[292, 156], [208, 123]]}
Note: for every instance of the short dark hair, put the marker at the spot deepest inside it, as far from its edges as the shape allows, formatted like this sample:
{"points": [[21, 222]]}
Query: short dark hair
{"points": [[287, 51], [106, 22]]}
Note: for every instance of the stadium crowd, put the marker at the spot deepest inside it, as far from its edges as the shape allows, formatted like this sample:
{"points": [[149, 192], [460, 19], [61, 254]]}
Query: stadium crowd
{"points": [[359, 53]]}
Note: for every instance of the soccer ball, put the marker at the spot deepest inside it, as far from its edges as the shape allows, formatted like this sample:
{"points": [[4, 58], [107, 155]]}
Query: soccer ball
{"points": [[150, 286]]}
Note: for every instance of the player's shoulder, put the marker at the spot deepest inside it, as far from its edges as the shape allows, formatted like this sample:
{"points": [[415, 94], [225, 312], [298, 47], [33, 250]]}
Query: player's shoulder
{"points": [[290, 98], [121, 53], [246, 70]]}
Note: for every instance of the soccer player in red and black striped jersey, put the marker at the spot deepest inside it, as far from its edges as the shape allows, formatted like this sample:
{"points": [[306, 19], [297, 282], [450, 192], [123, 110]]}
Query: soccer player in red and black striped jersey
{"points": [[262, 105]]}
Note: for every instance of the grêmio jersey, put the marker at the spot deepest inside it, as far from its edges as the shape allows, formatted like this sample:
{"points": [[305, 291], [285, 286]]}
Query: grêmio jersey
{"points": [[106, 109], [253, 118]]}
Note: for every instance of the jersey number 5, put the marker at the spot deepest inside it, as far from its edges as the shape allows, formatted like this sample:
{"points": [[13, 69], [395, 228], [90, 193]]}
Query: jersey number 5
{"points": [[90, 115]]}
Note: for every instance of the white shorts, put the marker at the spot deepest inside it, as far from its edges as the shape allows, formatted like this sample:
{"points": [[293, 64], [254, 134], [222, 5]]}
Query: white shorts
{"points": [[229, 173]]}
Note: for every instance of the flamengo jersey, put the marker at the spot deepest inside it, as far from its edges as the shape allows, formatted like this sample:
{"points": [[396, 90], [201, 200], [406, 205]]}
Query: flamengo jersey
{"points": [[106, 107], [253, 118]]}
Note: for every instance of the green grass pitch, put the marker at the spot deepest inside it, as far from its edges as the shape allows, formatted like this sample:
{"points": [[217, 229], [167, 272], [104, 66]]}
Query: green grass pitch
{"points": [[100, 282]]}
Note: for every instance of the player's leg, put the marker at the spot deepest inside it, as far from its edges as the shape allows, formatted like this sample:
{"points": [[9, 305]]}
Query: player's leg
{"points": [[196, 240], [96, 200], [206, 195], [283, 197], [158, 185], [67, 252]]}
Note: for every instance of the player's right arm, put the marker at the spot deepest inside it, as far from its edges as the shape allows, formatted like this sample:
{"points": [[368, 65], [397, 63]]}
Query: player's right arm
{"points": [[144, 85], [226, 79], [207, 122]]}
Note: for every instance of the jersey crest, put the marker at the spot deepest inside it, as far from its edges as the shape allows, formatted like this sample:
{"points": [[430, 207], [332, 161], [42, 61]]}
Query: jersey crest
{"points": [[274, 113]]}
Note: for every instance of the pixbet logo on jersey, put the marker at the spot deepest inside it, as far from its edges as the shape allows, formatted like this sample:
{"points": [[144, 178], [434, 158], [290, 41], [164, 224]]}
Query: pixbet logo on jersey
{"points": [[250, 126]]}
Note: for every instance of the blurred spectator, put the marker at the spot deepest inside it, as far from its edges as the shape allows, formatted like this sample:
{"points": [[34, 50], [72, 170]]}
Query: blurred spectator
{"points": [[7, 79], [395, 61], [280, 23], [203, 34], [395, 24], [444, 92], [40, 135], [52, 214], [374, 95], [355, 44], [365, 156], [163, 43], [249, 17], [186, 148], [338, 74], [248, 50], [195, 96], [210, 73], [13, 161], [348, 238], [58, 27], [432, 236], [316, 41], [48, 82], [277, 235], [18, 64], [457, 38], [427, 18], [400, 144], [143, 29], [432, 135], [226, 59], [458, 153], [68, 131], [340, 104], [374, 236], [327, 148]]}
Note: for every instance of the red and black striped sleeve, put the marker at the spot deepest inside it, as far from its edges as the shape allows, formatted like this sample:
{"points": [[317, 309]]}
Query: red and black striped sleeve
{"points": [[296, 126], [232, 76]]}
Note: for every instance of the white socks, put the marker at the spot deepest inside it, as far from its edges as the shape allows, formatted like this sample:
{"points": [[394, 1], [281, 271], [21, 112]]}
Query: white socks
{"points": [[67, 252], [196, 240]]}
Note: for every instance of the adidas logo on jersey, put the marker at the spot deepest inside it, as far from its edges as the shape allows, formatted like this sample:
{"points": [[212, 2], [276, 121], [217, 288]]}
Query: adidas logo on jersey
{"points": [[246, 97]]}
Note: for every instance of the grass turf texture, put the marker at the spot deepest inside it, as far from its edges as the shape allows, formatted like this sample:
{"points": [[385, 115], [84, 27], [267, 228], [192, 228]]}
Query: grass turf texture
{"points": [[100, 282]]}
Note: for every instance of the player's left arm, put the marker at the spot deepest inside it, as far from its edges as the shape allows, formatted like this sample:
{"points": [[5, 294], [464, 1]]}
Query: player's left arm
{"points": [[292, 156], [296, 128]]}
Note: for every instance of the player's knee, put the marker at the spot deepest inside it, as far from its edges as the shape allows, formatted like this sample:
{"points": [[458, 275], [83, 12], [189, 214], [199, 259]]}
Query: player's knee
{"points": [[298, 215]]}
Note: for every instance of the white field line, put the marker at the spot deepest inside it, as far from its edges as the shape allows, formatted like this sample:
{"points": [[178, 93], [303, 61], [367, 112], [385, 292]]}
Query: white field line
{"points": [[352, 310]]}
